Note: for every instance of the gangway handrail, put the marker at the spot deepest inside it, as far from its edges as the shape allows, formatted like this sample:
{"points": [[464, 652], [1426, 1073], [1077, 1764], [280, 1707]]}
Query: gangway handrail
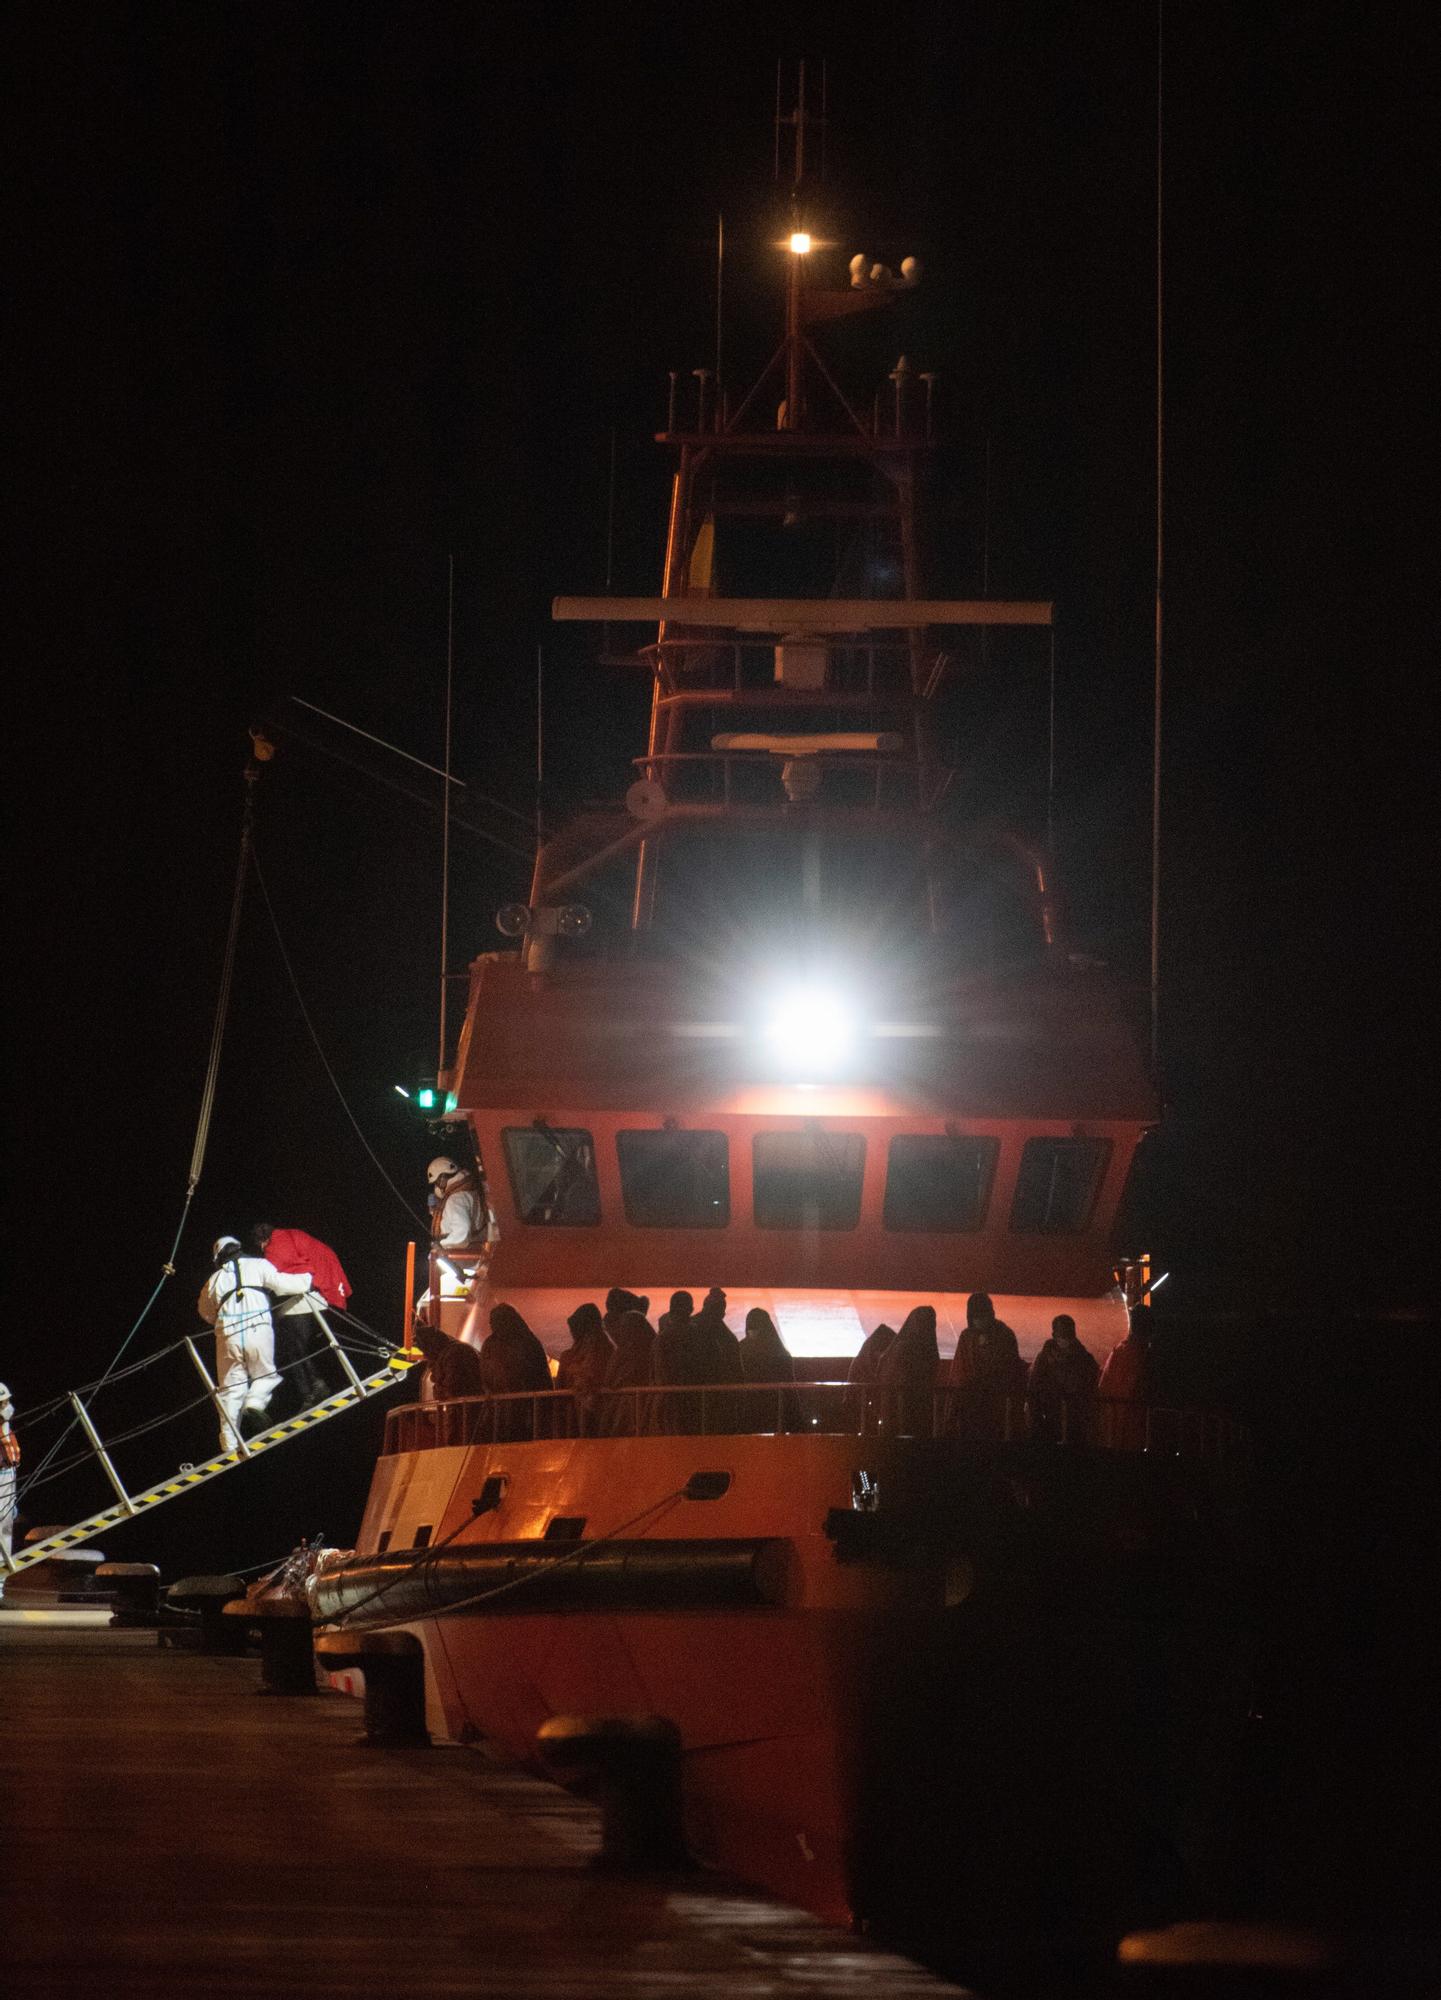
{"points": [[358, 1390]]}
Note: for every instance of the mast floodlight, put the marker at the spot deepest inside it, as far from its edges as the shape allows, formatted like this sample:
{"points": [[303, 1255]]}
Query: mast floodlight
{"points": [[811, 1030], [799, 242]]}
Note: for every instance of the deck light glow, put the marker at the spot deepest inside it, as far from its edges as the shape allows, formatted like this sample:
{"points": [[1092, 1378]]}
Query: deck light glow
{"points": [[811, 1030], [800, 242]]}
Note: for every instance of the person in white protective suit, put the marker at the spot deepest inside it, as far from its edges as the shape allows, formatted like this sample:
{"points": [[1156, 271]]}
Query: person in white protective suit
{"points": [[236, 1302], [461, 1228], [458, 1217], [9, 1466]]}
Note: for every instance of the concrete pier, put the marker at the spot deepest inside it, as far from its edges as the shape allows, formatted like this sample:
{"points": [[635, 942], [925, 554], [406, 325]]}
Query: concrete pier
{"points": [[171, 1831]]}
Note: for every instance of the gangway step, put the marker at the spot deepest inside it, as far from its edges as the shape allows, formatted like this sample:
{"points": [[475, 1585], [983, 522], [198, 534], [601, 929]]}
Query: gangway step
{"points": [[190, 1476]]}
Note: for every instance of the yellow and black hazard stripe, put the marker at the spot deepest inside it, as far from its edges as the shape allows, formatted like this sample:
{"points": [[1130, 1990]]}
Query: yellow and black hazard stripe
{"points": [[197, 1475]]}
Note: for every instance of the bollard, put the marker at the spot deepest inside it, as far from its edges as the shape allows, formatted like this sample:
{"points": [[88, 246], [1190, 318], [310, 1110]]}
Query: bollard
{"points": [[135, 1587], [1251, 1960], [630, 1765], [287, 1659], [209, 1595], [66, 1576], [394, 1667]]}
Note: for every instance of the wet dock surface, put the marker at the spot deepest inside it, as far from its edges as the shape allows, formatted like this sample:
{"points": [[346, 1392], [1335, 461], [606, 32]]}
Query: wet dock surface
{"points": [[170, 1830]]}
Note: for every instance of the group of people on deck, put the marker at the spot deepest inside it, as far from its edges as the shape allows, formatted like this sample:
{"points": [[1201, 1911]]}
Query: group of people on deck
{"points": [[994, 1393], [693, 1349], [617, 1348]]}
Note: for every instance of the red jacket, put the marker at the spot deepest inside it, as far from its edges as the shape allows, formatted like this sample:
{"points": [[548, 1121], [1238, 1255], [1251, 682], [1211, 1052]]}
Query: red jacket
{"points": [[293, 1250]]}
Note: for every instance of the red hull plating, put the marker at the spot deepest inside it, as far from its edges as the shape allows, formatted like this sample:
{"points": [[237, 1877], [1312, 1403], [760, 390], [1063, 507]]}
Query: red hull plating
{"points": [[769, 1700]]}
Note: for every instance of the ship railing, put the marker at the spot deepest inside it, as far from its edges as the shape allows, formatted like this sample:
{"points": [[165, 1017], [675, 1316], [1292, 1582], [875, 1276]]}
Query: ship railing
{"points": [[858, 671], [834, 1409], [752, 777]]}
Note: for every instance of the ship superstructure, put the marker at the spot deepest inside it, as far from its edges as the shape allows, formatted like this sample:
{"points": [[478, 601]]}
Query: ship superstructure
{"points": [[787, 1017]]}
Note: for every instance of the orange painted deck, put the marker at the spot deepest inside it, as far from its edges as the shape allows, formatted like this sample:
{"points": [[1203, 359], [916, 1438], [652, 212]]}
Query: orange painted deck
{"points": [[170, 1831]]}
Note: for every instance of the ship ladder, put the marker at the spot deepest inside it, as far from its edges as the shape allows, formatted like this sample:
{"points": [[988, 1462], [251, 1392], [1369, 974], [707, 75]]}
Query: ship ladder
{"points": [[358, 1389]]}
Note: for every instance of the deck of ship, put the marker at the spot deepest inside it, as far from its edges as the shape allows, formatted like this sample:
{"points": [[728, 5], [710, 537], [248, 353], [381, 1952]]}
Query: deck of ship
{"points": [[172, 1831]]}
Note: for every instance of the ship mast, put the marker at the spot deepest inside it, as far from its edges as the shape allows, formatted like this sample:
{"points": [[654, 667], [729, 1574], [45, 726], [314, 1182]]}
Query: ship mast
{"points": [[796, 663]]}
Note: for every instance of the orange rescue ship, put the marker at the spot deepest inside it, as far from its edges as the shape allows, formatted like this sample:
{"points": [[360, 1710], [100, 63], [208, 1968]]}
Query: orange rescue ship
{"points": [[789, 1020]]}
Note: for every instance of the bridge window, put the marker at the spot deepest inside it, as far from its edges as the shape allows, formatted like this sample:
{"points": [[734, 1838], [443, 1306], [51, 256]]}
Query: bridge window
{"points": [[552, 1175], [675, 1180], [808, 1180], [937, 1182], [1057, 1185]]}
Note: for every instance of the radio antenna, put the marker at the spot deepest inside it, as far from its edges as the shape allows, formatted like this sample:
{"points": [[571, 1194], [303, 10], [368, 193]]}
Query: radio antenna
{"points": [[539, 751], [445, 810], [1160, 552]]}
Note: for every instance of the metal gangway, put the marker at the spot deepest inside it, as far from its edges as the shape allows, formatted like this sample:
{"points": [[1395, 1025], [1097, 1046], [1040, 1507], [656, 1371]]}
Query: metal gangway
{"points": [[358, 1388]]}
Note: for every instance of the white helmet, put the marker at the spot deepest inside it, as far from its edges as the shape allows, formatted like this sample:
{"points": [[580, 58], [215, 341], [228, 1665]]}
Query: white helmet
{"points": [[7, 1408], [224, 1243], [440, 1170]]}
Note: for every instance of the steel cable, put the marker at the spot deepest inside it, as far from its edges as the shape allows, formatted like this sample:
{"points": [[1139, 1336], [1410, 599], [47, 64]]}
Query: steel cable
{"points": [[580, 1550], [207, 1106]]}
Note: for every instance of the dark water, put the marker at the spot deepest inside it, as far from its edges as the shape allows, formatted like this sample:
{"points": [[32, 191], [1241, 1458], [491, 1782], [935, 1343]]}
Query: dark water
{"points": [[1312, 1797]]}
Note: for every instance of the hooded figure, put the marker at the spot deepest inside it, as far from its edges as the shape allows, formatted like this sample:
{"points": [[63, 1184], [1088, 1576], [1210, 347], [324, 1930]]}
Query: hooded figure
{"points": [[632, 1366], [866, 1369], [452, 1368], [299, 1341], [678, 1359], [766, 1359], [512, 1363], [764, 1355], [583, 1367], [908, 1372], [987, 1356], [673, 1358], [867, 1364], [716, 1359], [1126, 1387], [236, 1302], [987, 1370], [586, 1361], [1062, 1386], [619, 1302], [293, 1250], [720, 1356]]}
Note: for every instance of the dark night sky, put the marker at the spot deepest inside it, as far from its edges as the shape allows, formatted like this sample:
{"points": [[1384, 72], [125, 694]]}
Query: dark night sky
{"points": [[310, 296]]}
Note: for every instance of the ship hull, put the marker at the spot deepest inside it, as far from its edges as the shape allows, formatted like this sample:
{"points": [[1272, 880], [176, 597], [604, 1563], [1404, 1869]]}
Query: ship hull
{"points": [[878, 1709], [766, 1704]]}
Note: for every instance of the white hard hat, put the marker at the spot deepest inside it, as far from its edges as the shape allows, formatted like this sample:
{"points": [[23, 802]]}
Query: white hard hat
{"points": [[5, 1403], [224, 1243], [440, 1169]]}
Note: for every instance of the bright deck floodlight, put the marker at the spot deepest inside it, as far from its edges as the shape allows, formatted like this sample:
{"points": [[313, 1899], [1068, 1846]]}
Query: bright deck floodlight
{"points": [[799, 242], [811, 1030]]}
